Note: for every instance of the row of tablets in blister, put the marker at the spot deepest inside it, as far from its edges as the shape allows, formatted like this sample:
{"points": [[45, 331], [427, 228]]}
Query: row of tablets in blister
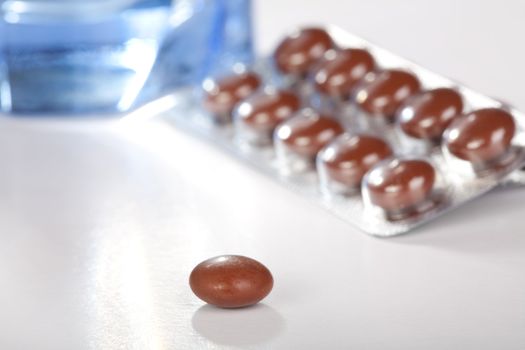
{"points": [[400, 142]]}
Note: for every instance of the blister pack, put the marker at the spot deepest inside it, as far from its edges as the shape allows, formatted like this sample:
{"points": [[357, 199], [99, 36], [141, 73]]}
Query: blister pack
{"points": [[378, 140]]}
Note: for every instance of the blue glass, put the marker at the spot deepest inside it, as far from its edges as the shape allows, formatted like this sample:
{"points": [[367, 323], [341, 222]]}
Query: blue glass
{"points": [[105, 56]]}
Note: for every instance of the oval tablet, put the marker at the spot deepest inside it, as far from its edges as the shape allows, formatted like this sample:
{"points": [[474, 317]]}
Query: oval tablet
{"points": [[222, 94], [400, 184], [382, 93], [349, 157], [299, 51], [426, 115], [264, 110], [231, 281], [481, 136], [339, 71], [307, 132]]}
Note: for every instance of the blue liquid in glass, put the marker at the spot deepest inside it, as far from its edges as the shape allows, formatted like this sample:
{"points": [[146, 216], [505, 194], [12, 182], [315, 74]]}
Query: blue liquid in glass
{"points": [[107, 56]]}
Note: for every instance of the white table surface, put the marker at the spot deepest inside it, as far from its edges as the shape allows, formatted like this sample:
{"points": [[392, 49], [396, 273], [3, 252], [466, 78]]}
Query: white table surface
{"points": [[101, 223]]}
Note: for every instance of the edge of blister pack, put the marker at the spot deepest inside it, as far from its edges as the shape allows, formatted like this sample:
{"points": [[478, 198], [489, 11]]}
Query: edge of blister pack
{"points": [[189, 116]]}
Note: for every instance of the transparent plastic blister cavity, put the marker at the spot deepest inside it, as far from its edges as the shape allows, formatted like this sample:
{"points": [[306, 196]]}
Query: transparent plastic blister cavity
{"points": [[368, 168]]}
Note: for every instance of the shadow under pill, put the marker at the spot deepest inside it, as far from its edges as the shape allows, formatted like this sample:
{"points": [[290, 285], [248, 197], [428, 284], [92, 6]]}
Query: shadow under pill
{"points": [[238, 327]]}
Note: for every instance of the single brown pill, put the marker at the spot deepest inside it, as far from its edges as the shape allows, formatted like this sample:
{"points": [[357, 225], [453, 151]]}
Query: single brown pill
{"points": [[482, 136], [307, 132], [426, 115], [339, 71], [264, 110], [222, 94], [231, 281], [349, 157], [297, 53], [382, 93], [400, 184]]}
